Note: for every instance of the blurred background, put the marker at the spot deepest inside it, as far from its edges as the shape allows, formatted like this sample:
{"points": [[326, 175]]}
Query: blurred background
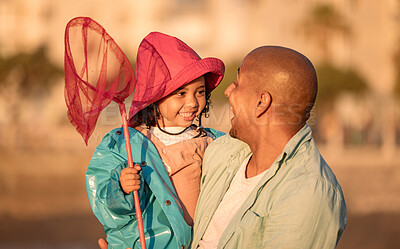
{"points": [[354, 44]]}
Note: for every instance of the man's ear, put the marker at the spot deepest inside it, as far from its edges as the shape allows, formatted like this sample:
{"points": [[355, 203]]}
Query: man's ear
{"points": [[263, 103]]}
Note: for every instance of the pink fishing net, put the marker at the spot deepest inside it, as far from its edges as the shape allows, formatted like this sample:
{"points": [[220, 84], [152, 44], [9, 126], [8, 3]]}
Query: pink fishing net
{"points": [[96, 73]]}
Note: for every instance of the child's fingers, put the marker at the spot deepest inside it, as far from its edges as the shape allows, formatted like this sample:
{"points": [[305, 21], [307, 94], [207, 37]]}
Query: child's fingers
{"points": [[130, 186], [129, 189], [136, 166], [133, 183], [130, 176], [132, 170], [133, 176]]}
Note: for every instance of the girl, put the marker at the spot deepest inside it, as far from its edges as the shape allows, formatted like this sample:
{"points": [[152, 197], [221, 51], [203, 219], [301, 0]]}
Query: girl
{"points": [[172, 89]]}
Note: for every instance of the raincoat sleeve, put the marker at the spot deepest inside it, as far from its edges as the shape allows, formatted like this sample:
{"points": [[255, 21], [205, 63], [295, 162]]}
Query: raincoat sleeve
{"points": [[310, 214], [109, 203]]}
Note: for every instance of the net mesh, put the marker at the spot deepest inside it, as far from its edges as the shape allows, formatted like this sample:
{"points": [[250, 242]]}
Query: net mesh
{"points": [[96, 73]]}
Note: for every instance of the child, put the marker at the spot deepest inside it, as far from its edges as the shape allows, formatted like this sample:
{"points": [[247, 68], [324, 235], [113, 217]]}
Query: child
{"points": [[172, 89]]}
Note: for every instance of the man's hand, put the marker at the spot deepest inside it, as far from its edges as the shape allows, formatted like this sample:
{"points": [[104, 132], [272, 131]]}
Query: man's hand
{"points": [[103, 244], [130, 179]]}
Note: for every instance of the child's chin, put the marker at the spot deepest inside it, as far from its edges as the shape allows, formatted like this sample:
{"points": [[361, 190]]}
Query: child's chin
{"points": [[185, 123]]}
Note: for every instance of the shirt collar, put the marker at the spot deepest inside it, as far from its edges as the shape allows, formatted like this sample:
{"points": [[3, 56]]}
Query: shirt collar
{"points": [[303, 135]]}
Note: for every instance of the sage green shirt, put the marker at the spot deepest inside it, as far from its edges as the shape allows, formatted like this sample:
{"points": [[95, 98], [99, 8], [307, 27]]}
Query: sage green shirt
{"points": [[297, 204]]}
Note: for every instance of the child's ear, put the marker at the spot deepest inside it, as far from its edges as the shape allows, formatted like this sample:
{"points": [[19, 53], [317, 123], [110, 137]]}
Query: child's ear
{"points": [[263, 103]]}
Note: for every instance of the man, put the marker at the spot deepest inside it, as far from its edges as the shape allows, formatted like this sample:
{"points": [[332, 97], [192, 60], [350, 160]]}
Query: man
{"points": [[266, 185]]}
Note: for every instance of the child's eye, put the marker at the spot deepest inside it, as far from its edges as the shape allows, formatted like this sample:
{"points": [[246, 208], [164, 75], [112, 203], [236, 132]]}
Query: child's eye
{"points": [[180, 93], [201, 92]]}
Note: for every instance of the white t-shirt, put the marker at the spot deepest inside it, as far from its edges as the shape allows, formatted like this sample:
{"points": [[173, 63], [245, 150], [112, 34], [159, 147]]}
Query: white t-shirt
{"points": [[234, 198], [172, 139]]}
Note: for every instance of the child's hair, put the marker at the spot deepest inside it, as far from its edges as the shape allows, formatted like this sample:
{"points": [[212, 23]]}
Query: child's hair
{"points": [[148, 115]]}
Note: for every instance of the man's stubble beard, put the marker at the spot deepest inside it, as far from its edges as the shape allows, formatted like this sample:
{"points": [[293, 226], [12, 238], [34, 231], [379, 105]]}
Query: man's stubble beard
{"points": [[238, 133], [233, 132]]}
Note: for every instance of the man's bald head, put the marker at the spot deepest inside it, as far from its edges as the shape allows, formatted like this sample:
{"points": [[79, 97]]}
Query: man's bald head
{"points": [[287, 75]]}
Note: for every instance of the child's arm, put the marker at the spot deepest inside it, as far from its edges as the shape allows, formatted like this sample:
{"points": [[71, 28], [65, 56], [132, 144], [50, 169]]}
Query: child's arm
{"points": [[109, 203]]}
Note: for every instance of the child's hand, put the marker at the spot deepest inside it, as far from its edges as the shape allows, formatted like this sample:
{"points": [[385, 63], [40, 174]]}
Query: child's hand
{"points": [[130, 179]]}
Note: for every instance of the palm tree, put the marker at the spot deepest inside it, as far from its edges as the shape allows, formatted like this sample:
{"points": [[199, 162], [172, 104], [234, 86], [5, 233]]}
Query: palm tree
{"points": [[323, 23], [35, 72], [25, 76]]}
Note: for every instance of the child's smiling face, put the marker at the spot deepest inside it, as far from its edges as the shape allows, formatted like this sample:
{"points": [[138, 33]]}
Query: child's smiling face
{"points": [[183, 105]]}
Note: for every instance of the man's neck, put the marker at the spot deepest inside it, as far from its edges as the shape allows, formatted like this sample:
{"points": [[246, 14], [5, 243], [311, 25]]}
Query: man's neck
{"points": [[266, 148]]}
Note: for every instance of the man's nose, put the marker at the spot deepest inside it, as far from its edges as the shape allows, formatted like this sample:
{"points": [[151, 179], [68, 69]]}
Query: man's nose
{"points": [[228, 90]]}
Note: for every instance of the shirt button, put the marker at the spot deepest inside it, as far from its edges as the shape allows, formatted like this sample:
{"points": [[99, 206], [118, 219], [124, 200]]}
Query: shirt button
{"points": [[206, 218], [118, 132], [182, 247], [143, 163], [167, 202]]}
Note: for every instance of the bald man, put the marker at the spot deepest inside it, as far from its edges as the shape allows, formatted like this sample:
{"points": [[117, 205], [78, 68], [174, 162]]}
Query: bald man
{"points": [[266, 185]]}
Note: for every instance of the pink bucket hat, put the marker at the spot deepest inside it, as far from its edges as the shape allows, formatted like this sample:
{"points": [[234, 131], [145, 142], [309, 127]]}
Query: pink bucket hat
{"points": [[165, 63]]}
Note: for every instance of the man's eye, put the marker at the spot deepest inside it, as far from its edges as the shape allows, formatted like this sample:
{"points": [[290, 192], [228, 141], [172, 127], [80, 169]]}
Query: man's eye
{"points": [[180, 93], [201, 92]]}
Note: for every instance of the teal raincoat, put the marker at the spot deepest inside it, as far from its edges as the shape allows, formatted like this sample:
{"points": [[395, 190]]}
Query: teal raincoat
{"points": [[163, 221]]}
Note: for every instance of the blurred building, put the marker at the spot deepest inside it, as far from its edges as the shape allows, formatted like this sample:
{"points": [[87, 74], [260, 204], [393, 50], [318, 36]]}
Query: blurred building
{"points": [[223, 28], [360, 34]]}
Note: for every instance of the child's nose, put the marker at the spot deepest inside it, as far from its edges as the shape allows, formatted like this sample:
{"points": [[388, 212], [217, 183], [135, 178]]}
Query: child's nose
{"points": [[192, 101]]}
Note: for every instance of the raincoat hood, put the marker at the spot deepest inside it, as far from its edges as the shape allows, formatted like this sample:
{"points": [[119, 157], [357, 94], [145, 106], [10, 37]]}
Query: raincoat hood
{"points": [[165, 63]]}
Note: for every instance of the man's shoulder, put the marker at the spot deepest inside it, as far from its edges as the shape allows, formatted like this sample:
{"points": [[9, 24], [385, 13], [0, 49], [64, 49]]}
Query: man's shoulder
{"points": [[307, 176], [309, 166]]}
